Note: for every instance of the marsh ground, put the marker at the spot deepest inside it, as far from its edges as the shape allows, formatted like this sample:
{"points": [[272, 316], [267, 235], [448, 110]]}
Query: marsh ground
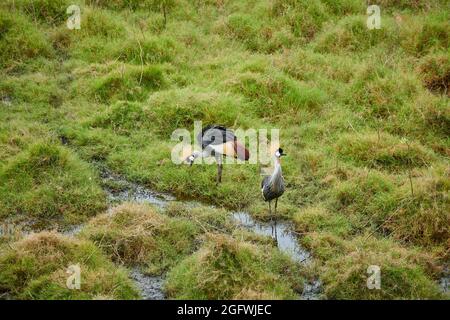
{"points": [[363, 115]]}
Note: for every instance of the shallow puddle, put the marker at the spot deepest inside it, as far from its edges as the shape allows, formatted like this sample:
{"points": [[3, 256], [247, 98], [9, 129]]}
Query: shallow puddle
{"points": [[286, 241], [132, 192], [444, 282], [150, 287], [123, 190]]}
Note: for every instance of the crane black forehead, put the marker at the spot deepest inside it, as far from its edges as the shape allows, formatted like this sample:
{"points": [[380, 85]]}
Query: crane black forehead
{"points": [[280, 150]]}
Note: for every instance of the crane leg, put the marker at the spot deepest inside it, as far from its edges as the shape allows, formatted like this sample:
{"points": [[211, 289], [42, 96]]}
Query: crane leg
{"points": [[271, 216], [270, 211], [276, 233], [219, 168], [219, 173]]}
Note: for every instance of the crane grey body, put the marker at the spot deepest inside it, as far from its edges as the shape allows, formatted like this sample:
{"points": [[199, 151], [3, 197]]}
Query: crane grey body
{"points": [[272, 187], [218, 141]]}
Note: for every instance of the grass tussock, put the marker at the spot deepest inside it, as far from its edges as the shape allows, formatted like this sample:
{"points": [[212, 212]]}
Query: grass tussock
{"points": [[184, 106], [320, 219], [225, 268], [135, 234], [47, 181], [363, 116], [253, 34], [36, 89], [20, 41], [35, 268], [102, 24], [209, 219], [305, 18], [131, 84], [351, 35], [273, 95], [437, 118], [435, 73], [51, 12], [16, 135], [413, 211], [153, 50], [345, 263], [405, 4], [125, 4], [122, 117], [422, 216], [382, 151]]}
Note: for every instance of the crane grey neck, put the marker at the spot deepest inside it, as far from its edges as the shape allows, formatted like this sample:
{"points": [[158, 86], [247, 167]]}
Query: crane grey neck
{"points": [[276, 180]]}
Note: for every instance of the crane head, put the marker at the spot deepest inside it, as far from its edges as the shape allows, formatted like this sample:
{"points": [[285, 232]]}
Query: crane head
{"points": [[279, 153], [190, 159]]}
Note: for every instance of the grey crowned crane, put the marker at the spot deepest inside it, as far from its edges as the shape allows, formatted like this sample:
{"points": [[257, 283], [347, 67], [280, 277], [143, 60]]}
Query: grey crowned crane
{"points": [[218, 141], [272, 187]]}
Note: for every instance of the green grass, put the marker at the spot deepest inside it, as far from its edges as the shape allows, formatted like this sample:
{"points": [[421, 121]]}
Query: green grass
{"points": [[20, 41], [383, 151], [48, 181], [343, 267], [363, 116], [278, 94], [133, 84], [225, 268], [46, 11], [320, 219], [138, 235], [34, 88], [35, 268], [435, 72]]}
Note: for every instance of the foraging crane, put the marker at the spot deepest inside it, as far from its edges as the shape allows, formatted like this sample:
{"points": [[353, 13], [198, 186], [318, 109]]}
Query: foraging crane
{"points": [[218, 141], [272, 187]]}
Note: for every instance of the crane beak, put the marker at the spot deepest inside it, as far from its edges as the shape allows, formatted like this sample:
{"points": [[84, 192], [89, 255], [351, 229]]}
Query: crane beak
{"points": [[283, 154], [189, 161]]}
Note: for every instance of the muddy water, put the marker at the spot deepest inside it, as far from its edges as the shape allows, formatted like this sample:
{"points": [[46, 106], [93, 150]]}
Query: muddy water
{"points": [[121, 190], [133, 192], [286, 241], [151, 287], [444, 282]]}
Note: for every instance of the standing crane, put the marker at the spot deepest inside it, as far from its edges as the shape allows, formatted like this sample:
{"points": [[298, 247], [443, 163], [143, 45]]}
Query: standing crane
{"points": [[218, 141], [272, 187]]}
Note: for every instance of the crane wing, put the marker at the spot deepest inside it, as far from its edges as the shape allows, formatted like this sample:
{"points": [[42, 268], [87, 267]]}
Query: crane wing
{"points": [[215, 135], [265, 182]]}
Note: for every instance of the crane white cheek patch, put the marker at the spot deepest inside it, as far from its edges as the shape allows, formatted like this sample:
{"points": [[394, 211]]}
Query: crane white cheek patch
{"points": [[277, 154]]}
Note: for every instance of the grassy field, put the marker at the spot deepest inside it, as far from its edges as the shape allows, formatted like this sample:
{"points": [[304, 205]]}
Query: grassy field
{"points": [[364, 117]]}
